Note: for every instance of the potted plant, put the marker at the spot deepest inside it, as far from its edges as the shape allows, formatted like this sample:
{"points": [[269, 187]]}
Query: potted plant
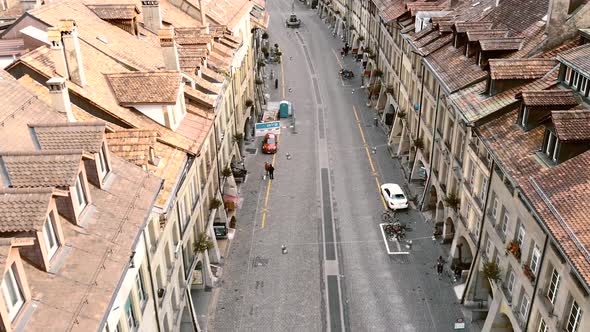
{"points": [[259, 81], [351, 28], [264, 35], [238, 137], [203, 243], [361, 38], [261, 63], [452, 200], [215, 203], [377, 73], [232, 222], [528, 272], [249, 102], [401, 114], [514, 248], [418, 144], [226, 171], [491, 271]]}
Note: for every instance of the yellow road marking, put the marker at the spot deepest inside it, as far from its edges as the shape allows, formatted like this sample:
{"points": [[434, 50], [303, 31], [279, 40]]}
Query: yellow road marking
{"points": [[337, 59], [369, 157], [267, 196], [282, 76]]}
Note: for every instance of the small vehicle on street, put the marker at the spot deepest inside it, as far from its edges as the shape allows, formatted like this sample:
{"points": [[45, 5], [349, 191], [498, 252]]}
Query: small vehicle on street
{"points": [[346, 74], [293, 21], [394, 196], [269, 144]]}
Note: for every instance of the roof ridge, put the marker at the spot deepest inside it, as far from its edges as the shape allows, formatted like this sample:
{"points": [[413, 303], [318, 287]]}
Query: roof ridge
{"points": [[67, 124], [36, 190], [41, 153]]}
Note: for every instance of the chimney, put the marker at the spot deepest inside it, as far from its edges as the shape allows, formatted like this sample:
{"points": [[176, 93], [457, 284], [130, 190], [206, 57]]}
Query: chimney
{"points": [[57, 52], [169, 49], [152, 17], [203, 9], [557, 28], [72, 52], [60, 98]]}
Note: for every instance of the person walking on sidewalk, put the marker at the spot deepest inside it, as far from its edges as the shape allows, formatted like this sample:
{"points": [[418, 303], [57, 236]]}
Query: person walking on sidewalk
{"points": [[271, 171], [440, 263]]}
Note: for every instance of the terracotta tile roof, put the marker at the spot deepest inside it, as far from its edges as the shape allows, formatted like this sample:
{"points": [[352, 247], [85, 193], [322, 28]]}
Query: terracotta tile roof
{"points": [[446, 26], [462, 27], [12, 47], [517, 15], [98, 257], [212, 75], [133, 88], [475, 104], [567, 45], [427, 39], [435, 45], [139, 53], [219, 61], [196, 125], [578, 58], [208, 100], [174, 15], [565, 98], [425, 31], [454, 70], [572, 125], [560, 195], [475, 35], [501, 44], [41, 168], [114, 11], [70, 136], [193, 51], [14, 11], [417, 6], [19, 107], [133, 145], [524, 69], [23, 210], [207, 87]]}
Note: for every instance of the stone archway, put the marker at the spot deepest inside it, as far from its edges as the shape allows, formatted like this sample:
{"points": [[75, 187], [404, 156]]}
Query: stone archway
{"points": [[463, 254], [448, 229], [502, 323]]}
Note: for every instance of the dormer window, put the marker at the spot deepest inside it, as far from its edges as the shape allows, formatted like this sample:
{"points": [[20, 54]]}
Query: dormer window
{"points": [[550, 145], [524, 117], [104, 166], [80, 194], [50, 236], [13, 295]]}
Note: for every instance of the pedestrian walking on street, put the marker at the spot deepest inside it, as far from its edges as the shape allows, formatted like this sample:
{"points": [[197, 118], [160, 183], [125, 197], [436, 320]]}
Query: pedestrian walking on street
{"points": [[440, 263], [266, 169], [271, 171], [276, 83]]}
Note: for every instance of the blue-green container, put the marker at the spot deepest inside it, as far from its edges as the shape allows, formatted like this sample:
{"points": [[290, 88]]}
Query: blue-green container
{"points": [[284, 109]]}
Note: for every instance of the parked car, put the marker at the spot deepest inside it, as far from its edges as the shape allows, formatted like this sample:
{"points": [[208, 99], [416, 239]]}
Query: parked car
{"points": [[394, 196], [270, 144], [293, 21]]}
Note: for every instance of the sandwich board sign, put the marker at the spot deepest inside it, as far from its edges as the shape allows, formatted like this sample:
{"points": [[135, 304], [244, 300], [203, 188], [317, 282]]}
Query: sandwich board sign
{"points": [[263, 128]]}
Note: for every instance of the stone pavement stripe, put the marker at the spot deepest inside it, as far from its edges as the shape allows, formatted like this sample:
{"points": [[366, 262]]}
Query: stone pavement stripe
{"points": [[265, 209], [334, 304], [328, 228]]}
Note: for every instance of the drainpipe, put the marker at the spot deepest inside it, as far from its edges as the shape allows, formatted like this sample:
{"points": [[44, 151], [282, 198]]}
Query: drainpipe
{"points": [[482, 224], [419, 117], [436, 110], [217, 155], [536, 287]]}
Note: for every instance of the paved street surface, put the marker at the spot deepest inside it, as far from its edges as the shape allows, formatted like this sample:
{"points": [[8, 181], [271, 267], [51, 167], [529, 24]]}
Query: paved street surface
{"points": [[324, 205]]}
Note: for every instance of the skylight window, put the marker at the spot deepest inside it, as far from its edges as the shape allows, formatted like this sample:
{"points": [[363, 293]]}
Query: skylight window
{"points": [[102, 39], [475, 4]]}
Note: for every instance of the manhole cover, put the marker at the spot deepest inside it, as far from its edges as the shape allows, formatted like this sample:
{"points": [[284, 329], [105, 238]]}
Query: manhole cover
{"points": [[260, 261], [251, 151], [400, 259]]}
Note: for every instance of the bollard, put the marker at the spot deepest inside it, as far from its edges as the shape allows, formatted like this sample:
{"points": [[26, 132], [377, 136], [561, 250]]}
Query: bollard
{"points": [[284, 249], [376, 121]]}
